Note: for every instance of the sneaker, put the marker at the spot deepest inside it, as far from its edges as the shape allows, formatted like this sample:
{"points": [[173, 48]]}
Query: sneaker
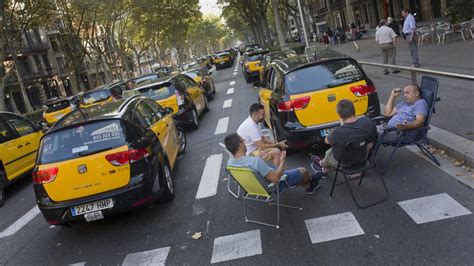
{"points": [[315, 163], [314, 183], [396, 71]]}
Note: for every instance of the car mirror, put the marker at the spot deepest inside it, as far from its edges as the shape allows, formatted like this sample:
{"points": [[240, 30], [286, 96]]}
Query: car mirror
{"points": [[168, 110]]}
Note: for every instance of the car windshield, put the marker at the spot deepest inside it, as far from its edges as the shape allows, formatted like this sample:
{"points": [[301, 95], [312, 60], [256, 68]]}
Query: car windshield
{"points": [[145, 78], [155, 92], [57, 106], [71, 143], [220, 56], [325, 75], [96, 96], [254, 57]]}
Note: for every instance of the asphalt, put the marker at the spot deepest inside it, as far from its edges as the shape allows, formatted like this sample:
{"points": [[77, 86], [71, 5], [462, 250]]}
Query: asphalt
{"points": [[390, 235]]}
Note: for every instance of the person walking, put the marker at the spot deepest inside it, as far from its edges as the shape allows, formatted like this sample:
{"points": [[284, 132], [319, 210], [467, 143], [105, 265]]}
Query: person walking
{"points": [[354, 33], [386, 38], [409, 29]]}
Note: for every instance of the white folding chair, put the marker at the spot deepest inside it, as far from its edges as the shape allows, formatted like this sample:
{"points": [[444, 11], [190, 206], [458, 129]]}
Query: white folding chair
{"points": [[236, 195]]}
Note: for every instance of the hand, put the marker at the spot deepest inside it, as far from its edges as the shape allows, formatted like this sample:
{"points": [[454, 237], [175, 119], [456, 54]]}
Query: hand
{"points": [[402, 127], [282, 157], [396, 92], [282, 145], [265, 154]]}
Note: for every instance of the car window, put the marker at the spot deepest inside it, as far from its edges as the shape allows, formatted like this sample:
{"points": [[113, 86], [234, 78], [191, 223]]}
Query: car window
{"points": [[57, 106], [21, 125], [6, 133], [268, 78], [96, 96], [156, 108], [326, 75], [146, 113], [189, 81], [71, 143], [180, 84]]}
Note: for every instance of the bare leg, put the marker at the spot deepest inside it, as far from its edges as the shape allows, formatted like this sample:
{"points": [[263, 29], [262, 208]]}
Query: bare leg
{"points": [[306, 179]]}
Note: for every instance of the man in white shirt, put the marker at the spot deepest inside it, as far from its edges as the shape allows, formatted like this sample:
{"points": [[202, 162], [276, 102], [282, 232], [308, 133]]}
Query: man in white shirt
{"points": [[386, 38], [256, 143], [409, 29]]}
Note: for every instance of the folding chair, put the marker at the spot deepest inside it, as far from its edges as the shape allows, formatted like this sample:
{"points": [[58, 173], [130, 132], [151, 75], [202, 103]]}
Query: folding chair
{"points": [[357, 146], [429, 92], [236, 195], [254, 190]]}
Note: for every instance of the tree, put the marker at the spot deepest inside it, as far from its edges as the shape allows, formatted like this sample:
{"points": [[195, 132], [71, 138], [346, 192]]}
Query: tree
{"points": [[278, 27]]}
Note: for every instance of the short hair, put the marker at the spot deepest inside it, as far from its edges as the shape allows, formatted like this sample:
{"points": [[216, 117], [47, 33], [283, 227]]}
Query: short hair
{"points": [[382, 22], [232, 142], [255, 108], [345, 108], [417, 88], [406, 10]]}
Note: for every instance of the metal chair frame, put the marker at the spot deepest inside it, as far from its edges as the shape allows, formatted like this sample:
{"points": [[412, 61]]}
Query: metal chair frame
{"points": [[235, 194]]}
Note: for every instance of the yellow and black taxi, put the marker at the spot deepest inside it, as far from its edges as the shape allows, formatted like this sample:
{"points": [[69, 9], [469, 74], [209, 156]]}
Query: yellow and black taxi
{"points": [[19, 142], [181, 93], [223, 60], [56, 108], [204, 79], [300, 94], [98, 161], [252, 64], [103, 94]]}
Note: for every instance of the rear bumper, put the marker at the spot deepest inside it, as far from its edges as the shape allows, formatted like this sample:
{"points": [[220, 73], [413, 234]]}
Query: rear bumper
{"points": [[221, 65]]}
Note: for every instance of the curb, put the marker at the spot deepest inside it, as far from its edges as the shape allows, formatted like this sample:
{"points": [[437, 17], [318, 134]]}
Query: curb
{"points": [[454, 145]]}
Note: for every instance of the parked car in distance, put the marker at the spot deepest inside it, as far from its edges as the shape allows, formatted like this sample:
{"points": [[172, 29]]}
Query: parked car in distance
{"points": [[204, 79]]}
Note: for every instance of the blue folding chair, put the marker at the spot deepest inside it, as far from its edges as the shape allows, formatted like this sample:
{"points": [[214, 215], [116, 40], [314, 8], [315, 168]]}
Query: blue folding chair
{"points": [[429, 92]]}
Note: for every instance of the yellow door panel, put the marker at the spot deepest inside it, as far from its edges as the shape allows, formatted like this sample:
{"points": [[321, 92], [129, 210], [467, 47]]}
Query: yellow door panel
{"points": [[98, 176], [168, 136], [198, 98], [322, 106], [52, 117], [29, 150], [11, 152], [169, 102], [265, 95]]}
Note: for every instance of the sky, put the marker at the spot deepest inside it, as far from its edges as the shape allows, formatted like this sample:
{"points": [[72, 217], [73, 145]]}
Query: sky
{"points": [[210, 7]]}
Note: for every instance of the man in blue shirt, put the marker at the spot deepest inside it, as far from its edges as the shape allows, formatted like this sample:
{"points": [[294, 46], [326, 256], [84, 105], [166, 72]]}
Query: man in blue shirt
{"points": [[268, 175], [409, 29]]}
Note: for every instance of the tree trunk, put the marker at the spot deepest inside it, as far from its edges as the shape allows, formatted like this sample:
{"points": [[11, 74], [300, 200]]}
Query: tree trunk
{"points": [[279, 29], [23, 91]]}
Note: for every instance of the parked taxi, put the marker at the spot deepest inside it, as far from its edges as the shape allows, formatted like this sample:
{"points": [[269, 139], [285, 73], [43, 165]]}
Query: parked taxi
{"points": [[223, 60], [103, 94], [56, 108], [300, 94], [96, 162], [252, 64], [19, 142], [204, 79], [181, 93]]}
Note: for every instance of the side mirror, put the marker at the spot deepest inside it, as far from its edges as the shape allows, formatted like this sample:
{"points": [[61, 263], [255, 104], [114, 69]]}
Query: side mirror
{"points": [[41, 126], [168, 110], [257, 84]]}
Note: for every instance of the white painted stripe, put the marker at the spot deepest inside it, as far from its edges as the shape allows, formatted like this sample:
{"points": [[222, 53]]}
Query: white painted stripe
{"points": [[230, 91], [210, 177], [78, 264], [237, 246], [235, 73], [222, 126], [333, 227], [16, 226], [232, 83], [150, 257], [433, 208], [227, 104]]}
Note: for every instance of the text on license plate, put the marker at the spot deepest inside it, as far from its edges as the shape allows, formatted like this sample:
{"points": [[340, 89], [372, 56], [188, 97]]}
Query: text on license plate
{"points": [[326, 131], [92, 207]]}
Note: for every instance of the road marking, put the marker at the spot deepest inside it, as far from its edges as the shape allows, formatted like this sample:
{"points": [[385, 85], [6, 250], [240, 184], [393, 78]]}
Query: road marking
{"points": [[237, 246], [232, 83], [222, 126], [78, 264], [16, 226], [150, 257], [210, 177], [235, 73], [433, 208], [230, 91], [227, 103], [332, 227]]}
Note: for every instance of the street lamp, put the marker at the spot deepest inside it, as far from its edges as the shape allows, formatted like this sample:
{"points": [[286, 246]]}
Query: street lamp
{"points": [[303, 24]]}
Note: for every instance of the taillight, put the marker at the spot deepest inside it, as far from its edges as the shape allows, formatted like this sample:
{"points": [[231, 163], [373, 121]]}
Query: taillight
{"points": [[294, 105], [363, 90], [45, 176], [179, 98], [126, 157]]}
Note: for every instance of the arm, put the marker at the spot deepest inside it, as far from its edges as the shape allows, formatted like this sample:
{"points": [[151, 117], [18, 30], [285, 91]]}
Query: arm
{"points": [[390, 109], [274, 175], [419, 122]]}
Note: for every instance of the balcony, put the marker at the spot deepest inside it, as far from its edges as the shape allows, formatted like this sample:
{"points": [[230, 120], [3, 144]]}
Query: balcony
{"points": [[29, 50]]}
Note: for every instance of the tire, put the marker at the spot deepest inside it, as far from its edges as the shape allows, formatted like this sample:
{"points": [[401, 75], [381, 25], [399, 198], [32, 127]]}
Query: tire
{"points": [[168, 188], [182, 141], [206, 106], [2, 189], [195, 122]]}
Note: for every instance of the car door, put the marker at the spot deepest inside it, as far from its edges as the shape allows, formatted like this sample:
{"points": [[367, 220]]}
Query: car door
{"points": [[196, 93], [265, 93], [9, 148], [27, 142]]}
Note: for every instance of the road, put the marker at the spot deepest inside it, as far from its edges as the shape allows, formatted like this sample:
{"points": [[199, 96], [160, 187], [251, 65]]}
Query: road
{"points": [[327, 230]]}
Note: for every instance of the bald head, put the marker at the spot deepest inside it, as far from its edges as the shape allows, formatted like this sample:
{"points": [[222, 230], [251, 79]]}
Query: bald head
{"points": [[412, 93]]}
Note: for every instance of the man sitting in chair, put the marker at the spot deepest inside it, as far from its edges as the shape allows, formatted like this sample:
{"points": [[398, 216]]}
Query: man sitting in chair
{"points": [[257, 144], [407, 115], [298, 176], [351, 128]]}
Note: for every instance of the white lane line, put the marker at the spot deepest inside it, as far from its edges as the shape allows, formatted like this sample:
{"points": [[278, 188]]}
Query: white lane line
{"points": [[78, 264], [210, 177], [227, 104], [433, 208], [230, 91], [222, 126], [237, 246], [16, 226], [150, 257], [235, 73], [333, 227], [232, 83]]}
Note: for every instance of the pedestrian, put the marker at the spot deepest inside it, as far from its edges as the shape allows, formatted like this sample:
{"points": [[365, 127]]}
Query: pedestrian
{"points": [[386, 38], [354, 33], [326, 39], [409, 29], [331, 36], [394, 25]]}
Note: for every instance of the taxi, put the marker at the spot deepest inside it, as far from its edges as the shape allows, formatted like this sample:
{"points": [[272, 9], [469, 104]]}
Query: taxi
{"points": [[19, 142], [103, 94], [252, 64], [300, 94], [204, 79], [99, 161], [223, 60], [56, 108], [181, 93]]}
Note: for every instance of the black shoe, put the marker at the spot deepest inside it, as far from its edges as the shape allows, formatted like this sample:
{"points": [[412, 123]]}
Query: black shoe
{"points": [[314, 183], [396, 71], [385, 72]]}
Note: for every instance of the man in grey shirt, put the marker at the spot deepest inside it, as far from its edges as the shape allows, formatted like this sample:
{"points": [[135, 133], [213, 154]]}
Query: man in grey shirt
{"points": [[386, 38]]}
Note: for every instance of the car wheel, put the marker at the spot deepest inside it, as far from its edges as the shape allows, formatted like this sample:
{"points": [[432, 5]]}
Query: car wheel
{"points": [[181, 140], [195, 122], [2, 189], [206, 105], [168, 188]]}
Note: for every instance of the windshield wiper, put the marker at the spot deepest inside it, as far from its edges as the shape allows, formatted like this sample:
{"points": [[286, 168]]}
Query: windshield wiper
{"points": [[85, 153]]}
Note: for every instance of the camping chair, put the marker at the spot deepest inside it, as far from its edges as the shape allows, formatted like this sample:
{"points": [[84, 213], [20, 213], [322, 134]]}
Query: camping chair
{"points": [[357, 146], [429, 91], [254, 190], [236, 195]]}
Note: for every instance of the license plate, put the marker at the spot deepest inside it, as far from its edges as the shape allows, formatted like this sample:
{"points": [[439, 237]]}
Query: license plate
{"points": [[93, 216], [326, 131], [92, 207]]}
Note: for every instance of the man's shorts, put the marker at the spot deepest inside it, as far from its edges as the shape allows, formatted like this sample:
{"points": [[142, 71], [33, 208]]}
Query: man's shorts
{"points": [[293, 178], [329, 159]]}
